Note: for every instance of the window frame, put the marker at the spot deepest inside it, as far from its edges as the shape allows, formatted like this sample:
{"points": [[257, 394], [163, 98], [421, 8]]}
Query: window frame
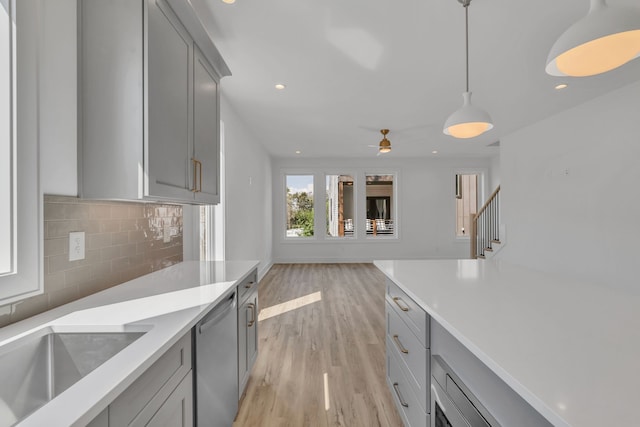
{"points": [[26, 279], [316, 220], [319, 187], [354, 236]]}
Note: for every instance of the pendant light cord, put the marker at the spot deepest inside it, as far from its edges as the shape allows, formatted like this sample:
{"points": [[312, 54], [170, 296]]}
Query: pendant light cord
{"points": [[466, 26]]}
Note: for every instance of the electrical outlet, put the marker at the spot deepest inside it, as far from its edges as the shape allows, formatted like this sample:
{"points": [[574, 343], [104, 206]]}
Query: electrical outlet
{"points": [[76, 246]]}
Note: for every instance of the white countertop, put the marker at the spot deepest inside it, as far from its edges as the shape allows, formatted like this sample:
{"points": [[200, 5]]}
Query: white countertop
{"points": [[571, 349], [167, 303]]}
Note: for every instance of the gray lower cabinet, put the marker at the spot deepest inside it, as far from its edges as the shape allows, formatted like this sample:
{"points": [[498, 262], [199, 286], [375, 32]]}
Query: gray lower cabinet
{"points": [[149, 102], [247, 329], [408, 356], [161, 396]]}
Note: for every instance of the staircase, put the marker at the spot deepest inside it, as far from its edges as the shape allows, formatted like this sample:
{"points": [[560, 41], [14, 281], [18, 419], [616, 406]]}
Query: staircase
{"points": [[485, 228]]}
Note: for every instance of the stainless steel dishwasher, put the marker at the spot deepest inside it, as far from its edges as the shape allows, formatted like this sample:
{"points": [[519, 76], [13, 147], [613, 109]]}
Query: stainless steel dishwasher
{"points": [[216, 365]]}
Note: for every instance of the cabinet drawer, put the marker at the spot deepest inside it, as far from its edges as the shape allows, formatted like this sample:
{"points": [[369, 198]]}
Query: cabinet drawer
{"points": [[411, 354], [247, 286], [415, 317], [137, 404], [406, 401]]}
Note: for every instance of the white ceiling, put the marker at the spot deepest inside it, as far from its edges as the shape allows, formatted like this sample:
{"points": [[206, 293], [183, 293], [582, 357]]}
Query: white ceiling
{"points": [[352, 67]]}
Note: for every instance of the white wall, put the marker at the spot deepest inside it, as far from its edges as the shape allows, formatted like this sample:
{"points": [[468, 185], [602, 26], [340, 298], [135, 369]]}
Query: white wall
{"points": [[426, 201], [570, 191], [248, 195]]}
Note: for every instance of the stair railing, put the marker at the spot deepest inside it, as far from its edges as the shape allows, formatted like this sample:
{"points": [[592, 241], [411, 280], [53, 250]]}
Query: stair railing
{"points": [[485, 226]]}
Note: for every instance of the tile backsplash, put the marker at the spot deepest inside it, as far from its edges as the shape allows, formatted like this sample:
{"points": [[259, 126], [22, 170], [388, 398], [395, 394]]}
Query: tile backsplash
{"points": [[123, 240]]}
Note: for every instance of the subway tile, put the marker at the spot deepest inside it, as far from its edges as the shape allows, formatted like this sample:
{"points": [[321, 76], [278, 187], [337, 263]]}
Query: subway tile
{"points": [[90, 226], [98, 241], [101, 270], [100, 211], [119, 211], [60, 228], [124, 241], [53, 211], [120, 264], [59, 263], [109, 225], [136, 236], [128, 224], [50, 198], [129, 250], [63, 296], [5, 315], [78, 276], [56, 246], [77, 211], [135, 211], [29, 307], [54, 282]]}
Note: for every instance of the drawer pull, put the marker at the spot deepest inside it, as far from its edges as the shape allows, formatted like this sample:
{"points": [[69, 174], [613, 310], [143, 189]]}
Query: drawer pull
{"points": [[402, 402], [396, 299], [252, 307], [248, 285], [399, 345]]}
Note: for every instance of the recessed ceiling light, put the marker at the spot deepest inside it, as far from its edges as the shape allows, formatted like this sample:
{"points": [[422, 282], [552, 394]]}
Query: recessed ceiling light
{"points": [[229, 1], [298, 152], [280, 86], [561, 86], [434, 152]]}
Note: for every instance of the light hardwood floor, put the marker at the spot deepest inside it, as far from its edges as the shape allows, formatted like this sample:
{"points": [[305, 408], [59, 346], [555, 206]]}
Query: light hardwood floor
{"points": [[337, 340]]}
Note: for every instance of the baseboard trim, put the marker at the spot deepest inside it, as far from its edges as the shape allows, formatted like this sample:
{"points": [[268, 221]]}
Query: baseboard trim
{"points": [[264, 270]]}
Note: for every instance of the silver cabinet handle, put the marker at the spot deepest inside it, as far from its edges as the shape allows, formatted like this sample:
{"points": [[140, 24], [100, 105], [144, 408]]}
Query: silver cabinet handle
{"points": [[399, 345], [252, 307], [402, 402], [396, 299]]}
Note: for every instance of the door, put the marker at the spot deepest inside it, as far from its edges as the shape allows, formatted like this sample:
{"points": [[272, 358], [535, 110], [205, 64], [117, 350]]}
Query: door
{"points": [[206, 123], [169, 95]]}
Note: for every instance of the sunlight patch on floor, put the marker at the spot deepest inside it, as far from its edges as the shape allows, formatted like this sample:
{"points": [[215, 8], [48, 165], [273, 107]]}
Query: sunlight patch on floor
{"points": [[287, 306], [326, 392]]}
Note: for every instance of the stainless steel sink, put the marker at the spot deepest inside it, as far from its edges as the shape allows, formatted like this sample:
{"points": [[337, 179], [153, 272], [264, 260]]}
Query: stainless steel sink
{"points": [[40, 366]]}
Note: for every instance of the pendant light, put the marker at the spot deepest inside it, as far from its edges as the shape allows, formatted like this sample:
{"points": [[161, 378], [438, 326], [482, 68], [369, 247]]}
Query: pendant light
{"points": [[468, 121], [605, 39]]}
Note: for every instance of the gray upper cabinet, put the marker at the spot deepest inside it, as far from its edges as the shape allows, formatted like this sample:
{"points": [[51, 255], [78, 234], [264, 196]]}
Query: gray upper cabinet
{"points": [[206, 117], [149, 102]]}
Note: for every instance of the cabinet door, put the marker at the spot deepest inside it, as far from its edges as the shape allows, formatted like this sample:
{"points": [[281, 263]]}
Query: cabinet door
{"points": [[252, 333], [169, 94], [243, 319], [247, 340], [177, 410], [206, 123]]}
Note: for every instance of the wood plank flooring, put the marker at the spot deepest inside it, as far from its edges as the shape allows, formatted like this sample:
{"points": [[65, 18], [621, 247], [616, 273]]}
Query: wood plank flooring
{"points": [[338, 340]]}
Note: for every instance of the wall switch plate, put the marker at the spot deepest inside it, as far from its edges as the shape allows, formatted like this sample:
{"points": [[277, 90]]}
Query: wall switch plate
{"points": [[76, 246]]}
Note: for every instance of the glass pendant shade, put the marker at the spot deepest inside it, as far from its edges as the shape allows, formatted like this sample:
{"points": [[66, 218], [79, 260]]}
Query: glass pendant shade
{"points": [[605, 39], [468, 121], [385, 146]]}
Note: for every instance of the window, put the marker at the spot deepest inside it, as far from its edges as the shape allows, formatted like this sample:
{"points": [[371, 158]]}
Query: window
{"points": [[340, 206], [299, 209], [466, 202], [380, 204], [20, 198], [7, 142]]}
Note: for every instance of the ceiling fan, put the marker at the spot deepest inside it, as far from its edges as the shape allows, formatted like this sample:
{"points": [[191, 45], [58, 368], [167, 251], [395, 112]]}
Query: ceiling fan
{"points": [[385, 145]]}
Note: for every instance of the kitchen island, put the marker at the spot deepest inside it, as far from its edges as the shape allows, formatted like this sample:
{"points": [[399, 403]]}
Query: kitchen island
{"points": [[165, 305], [566, 347]]}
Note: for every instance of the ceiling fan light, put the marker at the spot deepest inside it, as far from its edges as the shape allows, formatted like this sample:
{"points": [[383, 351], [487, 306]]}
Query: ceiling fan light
{"points": [[468, 121], [605, 39]]}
